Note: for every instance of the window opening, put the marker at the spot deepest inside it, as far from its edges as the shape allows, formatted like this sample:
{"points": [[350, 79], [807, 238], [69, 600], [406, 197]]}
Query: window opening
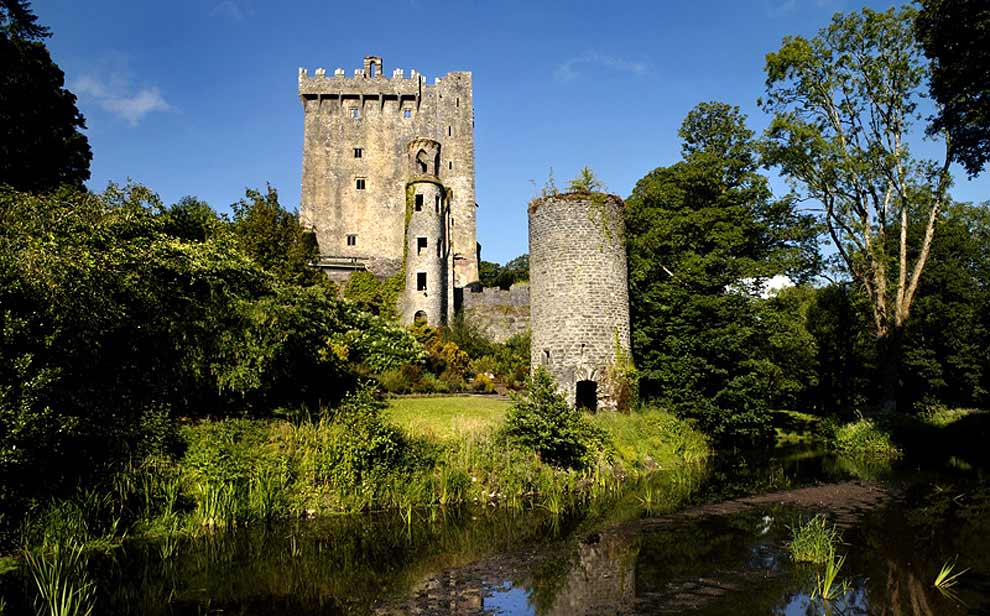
{"points": [[438, 204], [407, 113], [419, 203], [420, 281], [359, 183], [449, 131], [586, 395], [352, 240], [546, 357], [450, 164], [355, 113], [420, 318], [358, 152], [420, 245]]}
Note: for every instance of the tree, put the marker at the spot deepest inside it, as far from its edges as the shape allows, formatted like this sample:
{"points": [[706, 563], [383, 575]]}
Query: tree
{"points": [[273, 237], [41, 145], [586, 181], [843, 105], [702, 235], [955, 35]]}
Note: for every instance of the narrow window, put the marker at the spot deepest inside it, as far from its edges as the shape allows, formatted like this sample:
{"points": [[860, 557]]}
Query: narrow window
{"points": [[420, 245], [546, 357], [352, 240], [420, 281], [355, 113], [457, 102], [419, 203], [438, 204], [359, 183], [449, 131], [450, 164], [439, 246], [407, 113], [358, 152]]}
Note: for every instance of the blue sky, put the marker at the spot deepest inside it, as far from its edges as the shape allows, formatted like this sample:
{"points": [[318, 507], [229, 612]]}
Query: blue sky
{"points": [[198, 97]]}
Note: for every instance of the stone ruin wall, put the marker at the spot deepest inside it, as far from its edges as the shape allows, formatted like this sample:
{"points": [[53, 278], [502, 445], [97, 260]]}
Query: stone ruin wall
{"points": [[497, 314], [579, 289]]}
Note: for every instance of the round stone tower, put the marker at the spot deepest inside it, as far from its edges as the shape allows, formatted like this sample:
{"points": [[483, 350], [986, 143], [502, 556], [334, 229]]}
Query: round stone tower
{"points": [[428, 279], [579, 293]]}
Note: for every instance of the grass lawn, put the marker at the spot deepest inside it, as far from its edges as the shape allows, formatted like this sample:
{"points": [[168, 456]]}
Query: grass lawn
{"points": [[448, 418]]}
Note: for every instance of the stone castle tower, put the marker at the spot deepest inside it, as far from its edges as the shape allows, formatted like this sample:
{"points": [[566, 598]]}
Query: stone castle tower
{"points": [[388, 180], [579, 293]]}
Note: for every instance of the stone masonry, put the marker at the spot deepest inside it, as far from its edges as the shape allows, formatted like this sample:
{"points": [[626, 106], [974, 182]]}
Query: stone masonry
{"points": [[498, 314], [579, 292], [358, 132]]}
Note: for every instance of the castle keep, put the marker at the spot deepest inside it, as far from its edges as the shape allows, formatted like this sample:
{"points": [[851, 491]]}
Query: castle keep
{"points": [[388, 180]]}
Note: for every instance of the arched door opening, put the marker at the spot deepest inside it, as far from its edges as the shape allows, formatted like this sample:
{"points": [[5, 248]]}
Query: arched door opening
{"points": [[420, 318], [586, 396]]}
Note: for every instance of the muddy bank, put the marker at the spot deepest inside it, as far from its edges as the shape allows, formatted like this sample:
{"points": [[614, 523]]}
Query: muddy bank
{"points": [[605, 572]]}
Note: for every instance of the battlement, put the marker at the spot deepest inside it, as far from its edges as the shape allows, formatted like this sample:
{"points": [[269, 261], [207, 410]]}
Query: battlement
{"points": [[368, 81]]}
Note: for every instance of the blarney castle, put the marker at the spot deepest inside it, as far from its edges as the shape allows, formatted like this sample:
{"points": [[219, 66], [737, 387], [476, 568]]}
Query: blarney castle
{"points": [[388, 188]]}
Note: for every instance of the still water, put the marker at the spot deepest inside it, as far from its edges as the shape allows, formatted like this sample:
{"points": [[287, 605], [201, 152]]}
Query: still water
{"points": [[693, 542]]}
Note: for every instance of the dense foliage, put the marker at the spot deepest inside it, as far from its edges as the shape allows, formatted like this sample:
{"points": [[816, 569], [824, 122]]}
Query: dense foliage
{"points": [[118, 313], [545, 422], [703, 237], [41, 146], [493, 275], [955, 35]]}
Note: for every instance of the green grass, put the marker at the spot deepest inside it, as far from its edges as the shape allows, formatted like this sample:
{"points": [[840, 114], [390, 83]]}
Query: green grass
{"points": [[651, 437], [814, 541], [941, 417], [448, 418]]}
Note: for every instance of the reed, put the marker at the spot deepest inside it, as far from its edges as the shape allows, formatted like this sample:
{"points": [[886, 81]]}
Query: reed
{"points": [[61, 581]]}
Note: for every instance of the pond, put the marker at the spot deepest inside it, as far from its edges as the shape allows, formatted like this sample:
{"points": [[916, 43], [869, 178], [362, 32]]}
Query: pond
{"points": [[709, 540]]}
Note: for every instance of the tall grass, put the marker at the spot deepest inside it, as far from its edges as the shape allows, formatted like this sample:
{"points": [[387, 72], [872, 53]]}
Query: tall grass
{"points": [[814, 541], [825, 578], [61, 581]]}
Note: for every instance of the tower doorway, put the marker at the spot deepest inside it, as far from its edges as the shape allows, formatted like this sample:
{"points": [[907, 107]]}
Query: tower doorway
{"points": [[586, 396]]}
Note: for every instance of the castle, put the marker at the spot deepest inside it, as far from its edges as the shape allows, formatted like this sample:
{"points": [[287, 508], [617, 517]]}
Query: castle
{"points": [[388, 188], [388, 181]]}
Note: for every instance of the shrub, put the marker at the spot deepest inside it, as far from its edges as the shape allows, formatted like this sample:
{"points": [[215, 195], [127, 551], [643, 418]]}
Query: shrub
{"points": [[543, 421], [864, 439]]}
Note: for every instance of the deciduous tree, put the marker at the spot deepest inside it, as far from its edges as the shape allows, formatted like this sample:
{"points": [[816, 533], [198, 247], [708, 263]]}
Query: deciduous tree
{"points": [[955, 35], [843, 105]]}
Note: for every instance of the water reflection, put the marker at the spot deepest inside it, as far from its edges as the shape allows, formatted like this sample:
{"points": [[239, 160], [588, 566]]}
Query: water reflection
{"points": [[680, 543]]}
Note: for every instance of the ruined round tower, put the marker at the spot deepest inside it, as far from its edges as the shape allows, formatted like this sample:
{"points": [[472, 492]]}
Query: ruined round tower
{"points": [[579, 292]]}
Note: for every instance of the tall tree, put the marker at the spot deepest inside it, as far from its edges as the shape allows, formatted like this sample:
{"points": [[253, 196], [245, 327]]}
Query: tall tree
{"points": [[41, 145], [843, 103], [702, 235], [955, 35]]}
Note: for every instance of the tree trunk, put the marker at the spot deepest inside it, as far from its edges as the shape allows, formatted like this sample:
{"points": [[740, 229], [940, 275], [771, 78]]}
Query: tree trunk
{"points": [[889, 347]]}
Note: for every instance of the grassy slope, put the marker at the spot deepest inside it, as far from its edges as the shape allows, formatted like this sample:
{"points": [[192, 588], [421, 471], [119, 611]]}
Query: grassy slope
{"points": [[448, 418], [642, 440]]}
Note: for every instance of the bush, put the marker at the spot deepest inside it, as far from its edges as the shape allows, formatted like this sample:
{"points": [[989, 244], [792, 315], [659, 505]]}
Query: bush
{"points": [[560, 434], [863, 439]]}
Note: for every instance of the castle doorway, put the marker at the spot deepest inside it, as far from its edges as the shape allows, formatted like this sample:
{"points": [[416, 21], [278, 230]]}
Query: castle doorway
{"points": [[586, 396], [420, 318]]}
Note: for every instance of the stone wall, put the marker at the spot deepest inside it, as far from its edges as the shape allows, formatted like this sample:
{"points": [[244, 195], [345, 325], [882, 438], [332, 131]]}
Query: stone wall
{"points": [[497, 314], [579, 290]]}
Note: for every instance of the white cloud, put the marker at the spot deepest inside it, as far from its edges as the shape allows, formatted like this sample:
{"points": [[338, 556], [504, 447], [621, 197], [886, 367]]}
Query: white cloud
{"points": [[114, 93], [571, 69], [229, 9]]}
